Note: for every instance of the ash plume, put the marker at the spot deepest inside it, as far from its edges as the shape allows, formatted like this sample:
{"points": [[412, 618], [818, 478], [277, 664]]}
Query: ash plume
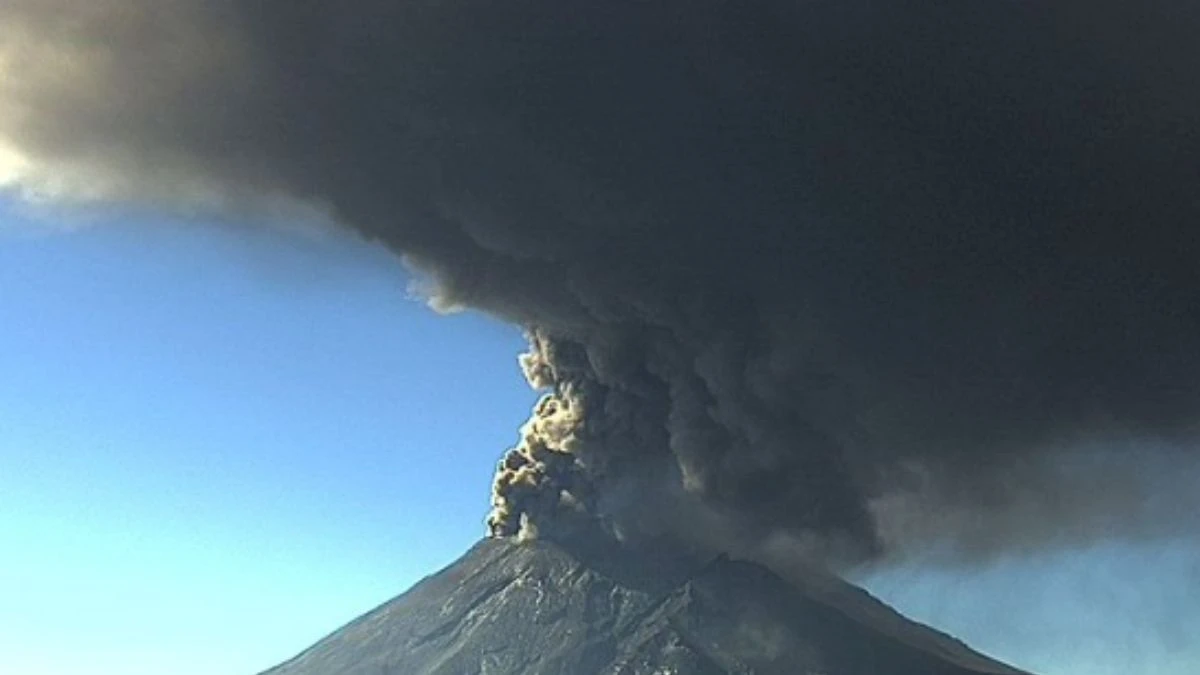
{"points": [[881, 277]]}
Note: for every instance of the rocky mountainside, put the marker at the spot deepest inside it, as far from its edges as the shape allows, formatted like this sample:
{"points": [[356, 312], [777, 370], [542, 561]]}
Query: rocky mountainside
{"points": [[536, 608]]}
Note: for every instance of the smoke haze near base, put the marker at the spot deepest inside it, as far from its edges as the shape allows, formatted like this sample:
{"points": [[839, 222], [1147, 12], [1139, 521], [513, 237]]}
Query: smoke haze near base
{"points": [[877, 277]]}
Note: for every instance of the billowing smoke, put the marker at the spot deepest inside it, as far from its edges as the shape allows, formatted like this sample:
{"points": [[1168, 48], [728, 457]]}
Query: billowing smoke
{"points": [[871, 276], [546, 474]]}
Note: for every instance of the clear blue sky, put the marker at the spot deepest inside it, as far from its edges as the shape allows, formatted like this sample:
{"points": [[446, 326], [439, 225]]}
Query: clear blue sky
{"points": [[218, 444]]}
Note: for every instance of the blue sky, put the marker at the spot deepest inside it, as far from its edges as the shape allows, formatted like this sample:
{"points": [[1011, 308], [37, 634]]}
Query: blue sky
{"points": [[219, 443]]}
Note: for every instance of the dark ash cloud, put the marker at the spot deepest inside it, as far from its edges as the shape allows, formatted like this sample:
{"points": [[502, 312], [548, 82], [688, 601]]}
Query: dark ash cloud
{"points": [[874, 276]]}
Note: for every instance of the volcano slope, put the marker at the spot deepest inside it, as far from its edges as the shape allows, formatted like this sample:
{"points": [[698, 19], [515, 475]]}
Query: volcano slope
{"points": [[538, 608]]}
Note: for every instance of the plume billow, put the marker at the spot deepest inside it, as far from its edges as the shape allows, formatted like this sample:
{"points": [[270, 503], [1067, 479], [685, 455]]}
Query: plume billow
{"points": [[875, 277]]}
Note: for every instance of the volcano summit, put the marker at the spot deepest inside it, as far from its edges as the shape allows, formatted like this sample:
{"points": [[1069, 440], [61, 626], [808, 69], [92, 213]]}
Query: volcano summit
{"points": [[540, 608]]}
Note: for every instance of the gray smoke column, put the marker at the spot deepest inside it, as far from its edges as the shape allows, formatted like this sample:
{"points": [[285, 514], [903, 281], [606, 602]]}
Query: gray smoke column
{"points": [[877, 277]]}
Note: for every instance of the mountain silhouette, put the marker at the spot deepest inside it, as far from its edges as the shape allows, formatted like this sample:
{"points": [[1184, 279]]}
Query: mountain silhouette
{"points": [[539, 608]]}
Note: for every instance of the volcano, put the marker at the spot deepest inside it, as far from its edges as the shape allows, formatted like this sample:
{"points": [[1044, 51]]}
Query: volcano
{"points": [[541, 608]]}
